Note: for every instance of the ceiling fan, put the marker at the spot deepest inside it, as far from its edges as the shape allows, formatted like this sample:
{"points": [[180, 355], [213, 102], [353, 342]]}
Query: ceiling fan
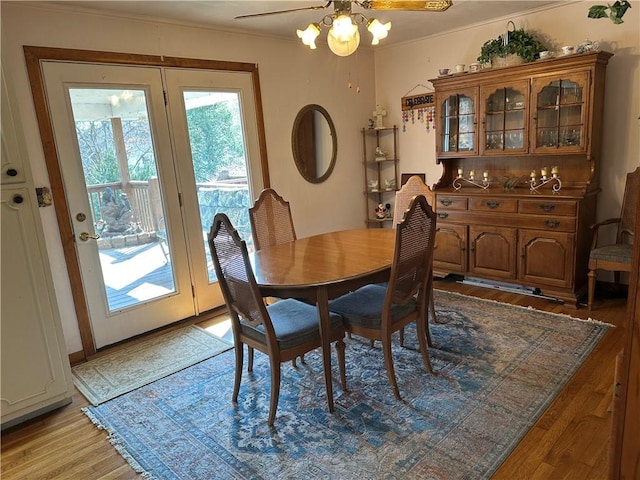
{"points": [[343, 36], [345, 6]]}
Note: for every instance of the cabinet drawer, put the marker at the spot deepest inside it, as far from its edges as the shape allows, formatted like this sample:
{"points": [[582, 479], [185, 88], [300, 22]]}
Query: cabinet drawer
{"points": [[548, 207], [450, 203], [505, 205]]}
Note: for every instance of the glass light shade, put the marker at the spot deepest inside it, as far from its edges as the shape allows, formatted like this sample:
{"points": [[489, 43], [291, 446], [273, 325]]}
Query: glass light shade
{"points": [[343, 28], [309, 35], [378, 30], [343, 48]]}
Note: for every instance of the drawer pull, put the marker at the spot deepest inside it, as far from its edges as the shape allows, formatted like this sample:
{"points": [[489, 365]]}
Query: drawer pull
{"points": [[443, 215], [446, 203], [547, 207], [492, 204], [552, 223]]}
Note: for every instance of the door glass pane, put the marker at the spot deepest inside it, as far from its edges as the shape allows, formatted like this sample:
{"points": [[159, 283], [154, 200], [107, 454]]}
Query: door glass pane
{"points": [[218, 154], [126, 208]]}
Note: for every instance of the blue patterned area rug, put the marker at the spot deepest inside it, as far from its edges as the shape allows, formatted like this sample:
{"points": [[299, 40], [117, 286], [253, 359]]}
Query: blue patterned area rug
{"points": [[498, 368]]}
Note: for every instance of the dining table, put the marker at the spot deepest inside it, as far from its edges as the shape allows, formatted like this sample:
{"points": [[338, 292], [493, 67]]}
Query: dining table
{"points": [[322, 267]]}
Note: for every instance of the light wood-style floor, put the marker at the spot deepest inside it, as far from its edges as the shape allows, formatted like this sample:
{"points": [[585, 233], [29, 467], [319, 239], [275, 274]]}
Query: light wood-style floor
{"points": [[570, 441]]}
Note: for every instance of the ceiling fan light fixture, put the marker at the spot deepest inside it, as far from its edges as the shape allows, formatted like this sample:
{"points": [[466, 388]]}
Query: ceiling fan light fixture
{"points": [[343, 28], [378, 30], [309, 35], [345, 47]]}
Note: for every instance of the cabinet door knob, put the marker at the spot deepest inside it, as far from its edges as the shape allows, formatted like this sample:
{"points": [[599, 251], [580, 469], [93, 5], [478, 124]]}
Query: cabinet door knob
{"points": [[12, 172], [18, 199], [547, 207]]}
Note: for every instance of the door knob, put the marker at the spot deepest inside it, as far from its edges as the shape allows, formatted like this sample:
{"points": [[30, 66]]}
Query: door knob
{"points": [[84, 236]]}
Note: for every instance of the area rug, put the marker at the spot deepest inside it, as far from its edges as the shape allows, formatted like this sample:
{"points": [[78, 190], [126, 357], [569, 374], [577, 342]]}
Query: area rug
{"points": [[109, 376], [497, 369]]}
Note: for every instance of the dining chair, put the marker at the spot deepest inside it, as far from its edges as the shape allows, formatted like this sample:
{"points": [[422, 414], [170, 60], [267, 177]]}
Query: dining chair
{"points": [[271, 224], [412, 187], [283, 330], [271, 220], [616, 256], [375, 311]]}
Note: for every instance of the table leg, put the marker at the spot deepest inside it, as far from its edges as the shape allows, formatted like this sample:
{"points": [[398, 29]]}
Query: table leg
{"points": [[322, 305]]}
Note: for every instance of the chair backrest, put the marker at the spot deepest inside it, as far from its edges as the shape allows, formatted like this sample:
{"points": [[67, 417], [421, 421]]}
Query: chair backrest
{"points": [[234, 272], [413, 255], [414, 186], [271, 221], [629, 206]]}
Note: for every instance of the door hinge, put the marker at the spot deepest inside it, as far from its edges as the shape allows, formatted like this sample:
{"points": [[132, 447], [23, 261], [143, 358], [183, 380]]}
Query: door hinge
{"points": [[164, 94], [193, 291], [180, 199]]}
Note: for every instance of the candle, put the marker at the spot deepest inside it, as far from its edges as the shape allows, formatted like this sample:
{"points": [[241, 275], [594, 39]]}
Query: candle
{"points": [[460, 172], [554, 171], [543, 172], [472, 174], [533, 174], [485, 174]]}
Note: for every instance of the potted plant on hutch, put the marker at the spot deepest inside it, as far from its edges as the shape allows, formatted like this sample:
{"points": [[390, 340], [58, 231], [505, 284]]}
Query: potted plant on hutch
{"points": [[511, 48]]}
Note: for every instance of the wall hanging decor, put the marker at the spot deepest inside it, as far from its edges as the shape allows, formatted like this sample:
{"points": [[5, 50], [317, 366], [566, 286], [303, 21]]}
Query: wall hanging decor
{"points": [[421, 106]]}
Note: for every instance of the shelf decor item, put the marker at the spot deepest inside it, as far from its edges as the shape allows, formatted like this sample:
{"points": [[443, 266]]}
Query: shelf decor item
{"points": [[511, 48], [484, 184], [534, 184]]}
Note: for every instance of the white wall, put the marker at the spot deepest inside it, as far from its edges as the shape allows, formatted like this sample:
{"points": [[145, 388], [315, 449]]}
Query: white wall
{"points": [[398, 69], [291, 76]]}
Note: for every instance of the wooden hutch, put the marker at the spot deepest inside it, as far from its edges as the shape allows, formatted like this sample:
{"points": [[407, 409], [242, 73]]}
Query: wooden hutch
{"points": [[509, 126]]}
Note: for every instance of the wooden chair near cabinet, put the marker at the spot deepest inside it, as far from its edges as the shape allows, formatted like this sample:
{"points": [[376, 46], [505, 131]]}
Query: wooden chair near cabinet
{"points": [[412, 187], [283, 330], [376, 311], [617, 256]]}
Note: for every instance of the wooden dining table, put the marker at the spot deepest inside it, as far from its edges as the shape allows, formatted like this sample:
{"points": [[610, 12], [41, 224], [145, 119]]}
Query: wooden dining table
{"points": [[323, 267]]}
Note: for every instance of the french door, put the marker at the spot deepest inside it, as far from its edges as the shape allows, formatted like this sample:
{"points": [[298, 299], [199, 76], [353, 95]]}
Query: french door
{"points": [[142, 188]]}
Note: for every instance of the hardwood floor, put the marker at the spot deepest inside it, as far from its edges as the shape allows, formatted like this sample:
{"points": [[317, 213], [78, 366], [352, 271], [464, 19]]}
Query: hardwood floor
{"points": [[570, 441]]}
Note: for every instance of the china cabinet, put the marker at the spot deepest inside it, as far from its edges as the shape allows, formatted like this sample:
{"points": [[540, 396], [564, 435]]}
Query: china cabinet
{"points": [[36, 376], [380, 160], [533, 133]]}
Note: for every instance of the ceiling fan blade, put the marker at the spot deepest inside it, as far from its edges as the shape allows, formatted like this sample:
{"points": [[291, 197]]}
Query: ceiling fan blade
{"points": [[278, 12], [422, 6]]}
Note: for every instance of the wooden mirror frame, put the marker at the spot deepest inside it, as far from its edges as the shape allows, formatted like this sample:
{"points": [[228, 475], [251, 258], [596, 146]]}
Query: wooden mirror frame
{"points": [[303, 143]]}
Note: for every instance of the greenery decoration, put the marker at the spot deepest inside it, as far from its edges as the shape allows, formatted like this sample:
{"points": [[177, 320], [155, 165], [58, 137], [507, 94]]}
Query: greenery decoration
{"points": [[616, 11], [520, 43]]}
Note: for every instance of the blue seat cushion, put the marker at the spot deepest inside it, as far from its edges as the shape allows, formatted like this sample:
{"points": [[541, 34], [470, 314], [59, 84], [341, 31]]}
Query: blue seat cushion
{"points": [[294, 323], [364, 306], [621, 253]]}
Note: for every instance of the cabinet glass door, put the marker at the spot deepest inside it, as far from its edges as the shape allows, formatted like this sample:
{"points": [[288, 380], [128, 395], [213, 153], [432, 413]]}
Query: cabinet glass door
{"points": [[559, 113], [458, 123], [505, 119]]}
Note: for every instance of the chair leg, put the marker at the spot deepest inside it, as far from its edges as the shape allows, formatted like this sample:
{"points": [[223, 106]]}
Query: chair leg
{"points": [[340, 348], [275, 390], [592, 288], [432, 308], [250, 363], [422, 340], [239, 349], [388, 363]]}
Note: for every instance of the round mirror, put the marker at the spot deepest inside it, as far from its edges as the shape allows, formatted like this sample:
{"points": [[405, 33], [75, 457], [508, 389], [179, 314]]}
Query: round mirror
{"points": [[314, 143]]}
